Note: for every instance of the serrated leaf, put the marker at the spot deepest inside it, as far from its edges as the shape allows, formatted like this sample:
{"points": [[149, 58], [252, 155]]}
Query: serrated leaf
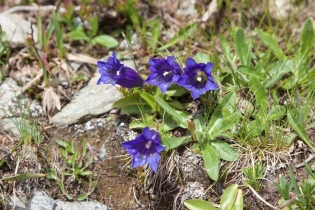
{"points": [[106, 41], [212, 162], [197, 204], [173, 142], [224, 150]]}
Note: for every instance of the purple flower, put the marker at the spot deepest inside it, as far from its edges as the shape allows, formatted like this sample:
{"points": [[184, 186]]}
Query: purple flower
{"points": [[145, 148], [197, 78], [163, 72], [114, 72]]}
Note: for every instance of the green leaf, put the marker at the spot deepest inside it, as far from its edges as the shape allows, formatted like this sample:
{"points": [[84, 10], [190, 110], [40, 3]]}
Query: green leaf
{"points": [[222, 125], [23, 176], [276, 113], [84, 147], [175, 90], [82, 197], [248, 70], [300, 131], [149, 99], [307, 37], [140, 123], [229, 101], [181, 36], [63, 143], [242, 47], [85, 173], [224, 150], [173, 142], [133, 99], [211, 160], [180, 117], [155, 34], [260, 92], [94, 26], [226, 50], [199, 122], [197, 204], [269, 41], [137, 109], [78, 35], [201, 57], [278, 69], [232, 198], [106, 41]]}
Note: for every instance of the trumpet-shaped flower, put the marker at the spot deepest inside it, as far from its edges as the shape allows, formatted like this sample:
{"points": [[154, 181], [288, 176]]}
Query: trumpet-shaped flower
{"points": [[114, 72], [197, 78], [163, 72], [145, 148]]}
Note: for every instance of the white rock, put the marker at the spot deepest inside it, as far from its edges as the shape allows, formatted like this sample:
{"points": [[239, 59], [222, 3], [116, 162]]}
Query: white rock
{"points": [[17, 28], [91, 205]]}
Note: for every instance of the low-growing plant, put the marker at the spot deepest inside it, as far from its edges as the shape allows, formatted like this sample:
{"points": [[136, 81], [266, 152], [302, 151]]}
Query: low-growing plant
{"points": [[304, 194], [78, 161], [91, 36], [232, 199], [253, 176]]}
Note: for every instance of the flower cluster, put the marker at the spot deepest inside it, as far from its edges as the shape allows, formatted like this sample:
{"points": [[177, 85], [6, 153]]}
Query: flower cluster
{"points": [[197, 77]]}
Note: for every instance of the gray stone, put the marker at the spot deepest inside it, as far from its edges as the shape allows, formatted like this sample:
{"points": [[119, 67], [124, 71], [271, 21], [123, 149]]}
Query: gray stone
{"points": [[17, 28], [17, 203], [91, 205], [41, 201], [93, 100], [10, 125], [12, 105]]}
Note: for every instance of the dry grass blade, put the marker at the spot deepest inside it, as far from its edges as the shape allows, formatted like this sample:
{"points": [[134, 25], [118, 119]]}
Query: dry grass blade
{"points": [[51, 101], [81, 58]]}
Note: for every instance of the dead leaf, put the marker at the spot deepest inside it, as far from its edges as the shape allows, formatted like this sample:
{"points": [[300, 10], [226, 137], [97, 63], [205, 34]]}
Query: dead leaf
{"points": [[51, 101]]}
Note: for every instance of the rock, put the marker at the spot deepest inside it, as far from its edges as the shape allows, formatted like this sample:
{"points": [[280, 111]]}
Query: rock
{"points": [[17, 28], [280, 9], [10, 125], [17, 203], [12, 105], [91, 205], [93, 100], [41, 201]]}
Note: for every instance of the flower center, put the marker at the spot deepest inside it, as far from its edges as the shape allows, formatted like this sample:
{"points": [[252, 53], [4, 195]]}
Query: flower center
{"points": [[117, 73], [201, 76], [148, 145], [167, 73]]}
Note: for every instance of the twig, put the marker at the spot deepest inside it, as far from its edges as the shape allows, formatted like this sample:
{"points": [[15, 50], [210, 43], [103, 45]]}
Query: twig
{"points": [[260, 198], [31, 8], [28, 85], [311, 157]]}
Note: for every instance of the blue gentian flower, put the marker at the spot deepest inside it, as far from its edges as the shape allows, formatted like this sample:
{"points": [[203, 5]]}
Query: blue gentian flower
{"points": [[114, 72], [163, 72], [197, 78], [145, 148]]}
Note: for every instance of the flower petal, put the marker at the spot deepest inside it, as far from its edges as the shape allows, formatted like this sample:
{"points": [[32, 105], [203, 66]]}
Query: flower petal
{"points": [[153, 161], [129, 78]]}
